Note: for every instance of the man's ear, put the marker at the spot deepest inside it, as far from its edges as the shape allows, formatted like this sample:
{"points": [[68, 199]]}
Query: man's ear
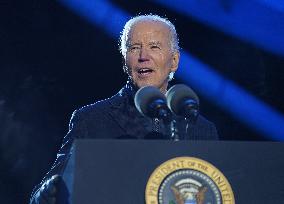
{"points": [[125, 69], [175, 61]]}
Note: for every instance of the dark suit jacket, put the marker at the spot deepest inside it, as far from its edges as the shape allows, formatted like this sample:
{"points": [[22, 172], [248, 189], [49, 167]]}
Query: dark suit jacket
{"points": [[117, 118]]}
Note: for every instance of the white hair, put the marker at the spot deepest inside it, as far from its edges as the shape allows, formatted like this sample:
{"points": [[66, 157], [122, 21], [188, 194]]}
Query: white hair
{"points": [[149, 17]]}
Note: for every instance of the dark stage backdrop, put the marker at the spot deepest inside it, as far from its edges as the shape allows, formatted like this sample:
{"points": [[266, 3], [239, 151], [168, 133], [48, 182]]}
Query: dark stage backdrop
{"points": [[52, 62]]}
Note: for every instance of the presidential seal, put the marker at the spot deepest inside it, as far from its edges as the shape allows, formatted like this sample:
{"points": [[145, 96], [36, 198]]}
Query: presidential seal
{"points": [[188, 180]]}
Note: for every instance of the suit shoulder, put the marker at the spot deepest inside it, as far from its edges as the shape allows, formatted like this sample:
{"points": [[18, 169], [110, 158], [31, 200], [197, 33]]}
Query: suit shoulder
{"points": [[99, 108], [207, 128], [204, 121]]}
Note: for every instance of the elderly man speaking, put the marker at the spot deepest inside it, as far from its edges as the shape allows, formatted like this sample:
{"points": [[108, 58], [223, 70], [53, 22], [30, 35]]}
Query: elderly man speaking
{"points": [[149, 45]]}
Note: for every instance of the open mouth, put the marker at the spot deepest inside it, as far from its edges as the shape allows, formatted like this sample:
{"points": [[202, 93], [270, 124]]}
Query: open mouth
{"points": [[145, 71]]}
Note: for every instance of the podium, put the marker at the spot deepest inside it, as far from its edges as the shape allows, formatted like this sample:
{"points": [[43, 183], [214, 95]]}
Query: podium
{"points": [[117, 171]]}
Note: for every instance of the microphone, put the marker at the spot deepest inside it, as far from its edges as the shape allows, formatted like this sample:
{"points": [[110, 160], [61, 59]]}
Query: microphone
{"points": [[182, 101], [150, 102]]}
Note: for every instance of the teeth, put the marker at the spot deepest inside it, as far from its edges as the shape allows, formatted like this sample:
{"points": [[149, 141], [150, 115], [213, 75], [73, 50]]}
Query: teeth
{"points": [[144, 70]]}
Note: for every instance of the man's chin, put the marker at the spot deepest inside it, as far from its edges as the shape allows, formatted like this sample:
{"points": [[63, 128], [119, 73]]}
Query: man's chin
{"points": [[140, 85]]}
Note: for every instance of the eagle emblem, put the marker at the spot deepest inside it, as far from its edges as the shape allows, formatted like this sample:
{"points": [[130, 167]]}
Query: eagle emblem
{"points": [[188, 191]]}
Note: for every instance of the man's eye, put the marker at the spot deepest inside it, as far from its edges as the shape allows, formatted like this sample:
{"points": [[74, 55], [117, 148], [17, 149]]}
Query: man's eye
{"points": [[155, 47], [134, 48]]}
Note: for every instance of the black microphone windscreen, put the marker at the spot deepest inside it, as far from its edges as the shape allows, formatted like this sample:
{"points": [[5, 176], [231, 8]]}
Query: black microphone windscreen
{"points": [[179, 93], [145, 96]]}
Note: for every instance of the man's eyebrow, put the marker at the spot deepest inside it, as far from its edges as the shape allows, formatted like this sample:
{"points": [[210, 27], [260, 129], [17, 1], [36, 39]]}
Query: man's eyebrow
{"points": [[132, 44], [155, 43]]}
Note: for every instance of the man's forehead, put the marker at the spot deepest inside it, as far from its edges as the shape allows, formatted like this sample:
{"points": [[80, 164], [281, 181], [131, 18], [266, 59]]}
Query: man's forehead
{"points": [[149, 25], [148, 29]]}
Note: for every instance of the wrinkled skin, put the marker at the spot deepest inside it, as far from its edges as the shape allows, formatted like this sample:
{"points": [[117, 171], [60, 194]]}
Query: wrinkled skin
{"points": [[149, 57]]}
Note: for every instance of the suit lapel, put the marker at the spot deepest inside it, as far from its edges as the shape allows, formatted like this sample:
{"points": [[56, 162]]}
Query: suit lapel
{"points": [[124, 113]]}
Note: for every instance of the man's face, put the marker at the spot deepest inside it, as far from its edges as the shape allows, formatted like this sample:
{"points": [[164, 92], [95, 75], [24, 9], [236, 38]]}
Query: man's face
{"points": [[149, 58]]}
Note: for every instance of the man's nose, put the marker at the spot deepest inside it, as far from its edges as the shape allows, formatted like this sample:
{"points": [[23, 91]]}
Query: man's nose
{"points": [[143, 55]]}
